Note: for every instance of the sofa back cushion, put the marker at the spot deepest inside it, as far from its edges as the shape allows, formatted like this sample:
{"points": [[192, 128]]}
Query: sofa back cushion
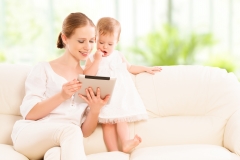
{"points": [[12, 81], [187, 104]]}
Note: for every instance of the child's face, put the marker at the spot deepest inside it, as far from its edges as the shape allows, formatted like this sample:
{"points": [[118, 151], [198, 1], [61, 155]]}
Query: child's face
{"points": [[107, 43]]}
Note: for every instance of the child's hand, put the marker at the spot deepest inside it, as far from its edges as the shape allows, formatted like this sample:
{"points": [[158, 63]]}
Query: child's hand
{"points": [[98, 55], [153, 69]]}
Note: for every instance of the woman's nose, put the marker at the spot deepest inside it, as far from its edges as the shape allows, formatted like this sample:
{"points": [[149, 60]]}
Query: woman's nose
{"points": [[87, 46]]}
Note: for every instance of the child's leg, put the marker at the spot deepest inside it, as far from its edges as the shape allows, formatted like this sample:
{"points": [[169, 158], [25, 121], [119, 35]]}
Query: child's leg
{"points": [[110, 137], [127, 143]]}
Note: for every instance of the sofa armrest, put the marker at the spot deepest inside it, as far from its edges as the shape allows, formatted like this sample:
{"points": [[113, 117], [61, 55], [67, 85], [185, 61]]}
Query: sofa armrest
{"points": [[231, 139]]}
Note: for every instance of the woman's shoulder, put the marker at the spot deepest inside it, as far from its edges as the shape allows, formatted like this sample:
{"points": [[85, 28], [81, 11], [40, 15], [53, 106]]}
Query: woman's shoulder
{"points": [[41, 64], [39, 67]]}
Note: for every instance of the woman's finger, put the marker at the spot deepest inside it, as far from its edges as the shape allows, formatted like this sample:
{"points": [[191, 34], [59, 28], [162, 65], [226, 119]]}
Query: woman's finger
{"points": [[88, 95], [70, 87], [91, 93], [84, 98], [73, 82], [74, 89], [98, 93], [106, 99]]}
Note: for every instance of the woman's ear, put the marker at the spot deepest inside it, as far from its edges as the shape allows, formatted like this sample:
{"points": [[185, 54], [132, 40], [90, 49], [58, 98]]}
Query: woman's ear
{"points": [[64, 38]]}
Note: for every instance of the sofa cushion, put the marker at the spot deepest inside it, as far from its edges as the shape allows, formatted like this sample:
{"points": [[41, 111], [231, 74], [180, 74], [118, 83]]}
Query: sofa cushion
{"points": [[8, 153], [184, 152], [189, 91], [6, 123], [109, 156], [195, 102], [178, 130], [12, 91]]}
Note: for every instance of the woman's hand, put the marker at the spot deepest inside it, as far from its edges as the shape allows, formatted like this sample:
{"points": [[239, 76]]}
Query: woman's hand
{"points": [[153, 69], [68, 89], [95, 102]]}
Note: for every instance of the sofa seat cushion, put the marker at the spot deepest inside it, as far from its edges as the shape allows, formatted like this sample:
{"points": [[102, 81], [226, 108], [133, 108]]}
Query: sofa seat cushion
{"points": [[184, 152], [108, 156], [8, 153]]}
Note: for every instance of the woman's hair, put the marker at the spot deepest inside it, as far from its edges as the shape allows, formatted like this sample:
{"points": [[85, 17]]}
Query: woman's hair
{"points": [[70, 23], [108, 25]]}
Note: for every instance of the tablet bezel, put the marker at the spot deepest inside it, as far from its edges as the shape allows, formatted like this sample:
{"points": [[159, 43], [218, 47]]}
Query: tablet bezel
{"points": [[106, 85]]}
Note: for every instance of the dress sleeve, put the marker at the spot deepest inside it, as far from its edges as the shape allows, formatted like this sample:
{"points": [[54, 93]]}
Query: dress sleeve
{"points": [[35, 88]]}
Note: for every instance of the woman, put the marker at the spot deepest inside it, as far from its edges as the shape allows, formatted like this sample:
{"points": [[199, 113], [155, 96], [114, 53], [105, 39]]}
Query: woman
{"points": [[52, 122]]}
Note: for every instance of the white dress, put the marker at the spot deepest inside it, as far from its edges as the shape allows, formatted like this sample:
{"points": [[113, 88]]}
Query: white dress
{"points": [[126, 104]]}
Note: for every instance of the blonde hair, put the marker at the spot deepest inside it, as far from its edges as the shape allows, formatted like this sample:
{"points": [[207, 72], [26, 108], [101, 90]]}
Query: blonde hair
{"points": [[108, 25]]}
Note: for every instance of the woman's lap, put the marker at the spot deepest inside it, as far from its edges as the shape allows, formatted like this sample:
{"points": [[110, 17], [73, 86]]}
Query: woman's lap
{"points": [[37, 138]]}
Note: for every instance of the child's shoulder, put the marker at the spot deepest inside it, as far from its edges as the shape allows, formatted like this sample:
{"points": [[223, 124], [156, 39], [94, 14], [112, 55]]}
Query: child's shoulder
{"points": [[118, 52]]}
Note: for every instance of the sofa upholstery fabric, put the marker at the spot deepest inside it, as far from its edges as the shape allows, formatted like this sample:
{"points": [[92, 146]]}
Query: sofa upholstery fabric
{"points": [[194, 113]]}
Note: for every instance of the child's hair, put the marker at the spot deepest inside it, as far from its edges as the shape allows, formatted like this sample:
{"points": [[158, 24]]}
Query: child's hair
{"points": [[108, 25], [70, 23]]}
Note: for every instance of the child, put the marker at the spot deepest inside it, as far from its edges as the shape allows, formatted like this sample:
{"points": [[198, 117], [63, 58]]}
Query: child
{"points": [[126, 104]]}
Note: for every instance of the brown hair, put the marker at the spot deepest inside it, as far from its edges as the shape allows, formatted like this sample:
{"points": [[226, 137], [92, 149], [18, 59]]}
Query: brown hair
{"points": [[108, 25], [70, 23]]}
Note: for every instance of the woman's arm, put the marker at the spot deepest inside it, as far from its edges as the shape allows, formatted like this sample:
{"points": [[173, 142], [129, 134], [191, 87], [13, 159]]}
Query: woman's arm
{"points": [[95, 104], [43, 108]]}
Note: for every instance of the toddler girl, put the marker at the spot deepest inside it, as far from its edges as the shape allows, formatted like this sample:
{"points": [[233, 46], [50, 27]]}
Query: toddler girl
{"points": [[126, 104]]}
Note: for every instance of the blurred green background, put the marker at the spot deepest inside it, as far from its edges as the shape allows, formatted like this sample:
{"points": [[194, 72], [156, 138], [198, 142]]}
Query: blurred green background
{"points": [[154, 32]]}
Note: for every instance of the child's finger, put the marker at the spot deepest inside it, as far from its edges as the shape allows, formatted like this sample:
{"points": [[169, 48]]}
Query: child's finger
{"points": [[151, 72]]}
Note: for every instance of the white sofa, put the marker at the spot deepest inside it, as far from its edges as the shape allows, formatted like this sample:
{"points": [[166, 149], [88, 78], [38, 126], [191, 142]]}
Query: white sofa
{"points": [[194, 114]]}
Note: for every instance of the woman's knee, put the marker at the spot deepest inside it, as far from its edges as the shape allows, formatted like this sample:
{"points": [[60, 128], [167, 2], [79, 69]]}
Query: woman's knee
{"points": [[71, 131], [53, 154]]}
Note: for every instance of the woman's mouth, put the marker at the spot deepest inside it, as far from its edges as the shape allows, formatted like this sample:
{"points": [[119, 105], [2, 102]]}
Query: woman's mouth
{"points": [[85, 54]]}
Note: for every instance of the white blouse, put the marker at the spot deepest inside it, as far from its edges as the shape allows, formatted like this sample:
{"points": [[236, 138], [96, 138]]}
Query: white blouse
{"points": [[41, 84]]}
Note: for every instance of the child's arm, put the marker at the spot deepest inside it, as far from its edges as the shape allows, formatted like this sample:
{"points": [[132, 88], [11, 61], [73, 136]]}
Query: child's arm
{"points": [[135, 69], [91, 68]]}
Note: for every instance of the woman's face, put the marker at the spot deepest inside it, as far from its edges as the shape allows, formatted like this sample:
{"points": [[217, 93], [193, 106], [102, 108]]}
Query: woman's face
{"points": [[81, 42]]}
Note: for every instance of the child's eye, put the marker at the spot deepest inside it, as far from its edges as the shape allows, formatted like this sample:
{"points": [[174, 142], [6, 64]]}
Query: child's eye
{"points": [[92, 41], [81, 41], [110, 44], [101, 42]]}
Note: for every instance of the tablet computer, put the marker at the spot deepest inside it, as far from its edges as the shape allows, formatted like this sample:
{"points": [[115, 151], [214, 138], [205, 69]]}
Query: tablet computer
{"points": [[106, 85]]}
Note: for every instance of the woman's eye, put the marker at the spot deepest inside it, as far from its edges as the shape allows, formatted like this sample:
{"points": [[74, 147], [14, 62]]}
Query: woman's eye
{"points": [[81, 41]]}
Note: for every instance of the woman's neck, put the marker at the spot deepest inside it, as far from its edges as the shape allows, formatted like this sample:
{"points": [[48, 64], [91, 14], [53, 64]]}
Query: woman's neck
{"points": [[70, 61]]}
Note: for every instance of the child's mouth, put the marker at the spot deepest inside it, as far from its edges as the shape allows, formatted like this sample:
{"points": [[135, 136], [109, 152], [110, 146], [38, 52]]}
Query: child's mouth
{"points": [[104, 53]]}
